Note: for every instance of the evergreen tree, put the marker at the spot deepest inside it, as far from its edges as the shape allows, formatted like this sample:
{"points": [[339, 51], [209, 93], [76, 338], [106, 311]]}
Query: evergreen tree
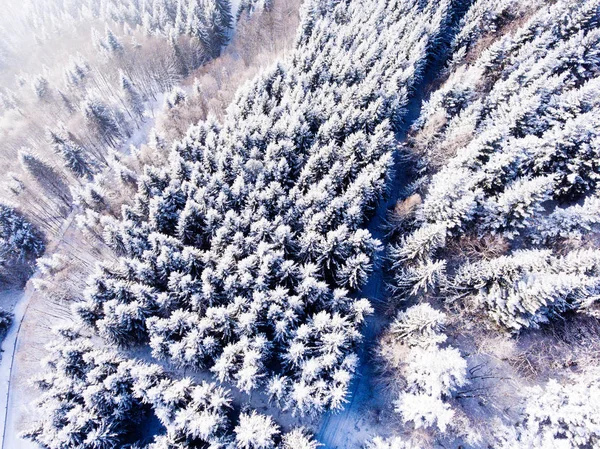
{"points": [[218, 22], [20, 244], [298, 439], [102, 120], [133, 99], [73, 155], [41, 87], [256, 431], [112, 44], [50, 181]]}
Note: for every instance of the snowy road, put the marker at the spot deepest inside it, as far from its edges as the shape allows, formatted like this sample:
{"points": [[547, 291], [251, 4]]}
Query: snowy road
{"points": [[9, 345], [8, 420]]}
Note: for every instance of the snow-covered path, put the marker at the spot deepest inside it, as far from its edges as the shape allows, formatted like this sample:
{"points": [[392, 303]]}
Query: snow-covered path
{"points": [[352, 426], [361, 418], [11, 404], [9, 439]]}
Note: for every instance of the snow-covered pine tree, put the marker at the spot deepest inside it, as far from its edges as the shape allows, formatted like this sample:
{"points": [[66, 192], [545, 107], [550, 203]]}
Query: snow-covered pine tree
{"points": [[101, 118], [112, 44], [194, 415], [41, 87], [50, 181], [133, 98], [256, 431], [419, 325], [73, 155], [298, 439]]}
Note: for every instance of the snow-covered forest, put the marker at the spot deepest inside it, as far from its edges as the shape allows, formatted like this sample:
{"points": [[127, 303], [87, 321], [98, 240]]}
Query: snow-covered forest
{"points": [[274, 224]]}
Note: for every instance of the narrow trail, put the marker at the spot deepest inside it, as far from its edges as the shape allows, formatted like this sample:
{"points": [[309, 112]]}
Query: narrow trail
{"points": [[11, 343], [356, 423], [349, 428]]}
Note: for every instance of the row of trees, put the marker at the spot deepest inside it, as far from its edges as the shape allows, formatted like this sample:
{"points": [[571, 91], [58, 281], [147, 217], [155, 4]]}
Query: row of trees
{"points": [[94, 398], [509, 154]]}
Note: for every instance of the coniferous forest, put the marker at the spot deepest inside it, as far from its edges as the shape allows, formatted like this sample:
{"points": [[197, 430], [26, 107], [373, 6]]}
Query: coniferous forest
{"points": [[300, 224]]}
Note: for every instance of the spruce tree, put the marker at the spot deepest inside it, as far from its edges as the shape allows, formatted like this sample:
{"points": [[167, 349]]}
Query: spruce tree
{"points": [[133, 99], [102, 120], [51, 183], [73, 155]]}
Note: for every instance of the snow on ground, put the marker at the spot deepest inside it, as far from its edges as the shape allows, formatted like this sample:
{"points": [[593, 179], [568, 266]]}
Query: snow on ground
{"points": [[9, 298], [22, 351], [10, 382]]}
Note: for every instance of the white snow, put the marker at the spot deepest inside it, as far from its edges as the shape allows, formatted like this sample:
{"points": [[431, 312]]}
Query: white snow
{"points": [[9, 439], [16, 402]]}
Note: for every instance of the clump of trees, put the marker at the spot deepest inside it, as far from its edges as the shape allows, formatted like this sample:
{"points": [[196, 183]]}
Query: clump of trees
{"points": [[557, 414], [20, 244], [428, 373], [242, 254], [88, 398], [100, 99], [508, 151], [94, 397]]}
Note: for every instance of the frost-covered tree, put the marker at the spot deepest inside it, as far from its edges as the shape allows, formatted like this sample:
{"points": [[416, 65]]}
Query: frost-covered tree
{"points": [[101, 118], [6, 319], [557, 415], [41, 87], [420, 325], [530, 287], [428, 374], [435, 372], [111, 43], [19, 239], [73, 155], [176, 97], [256, 431], [87, 396], [133, 99], [298, 439], [218, 20], [424, 410], [50, 181]]}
